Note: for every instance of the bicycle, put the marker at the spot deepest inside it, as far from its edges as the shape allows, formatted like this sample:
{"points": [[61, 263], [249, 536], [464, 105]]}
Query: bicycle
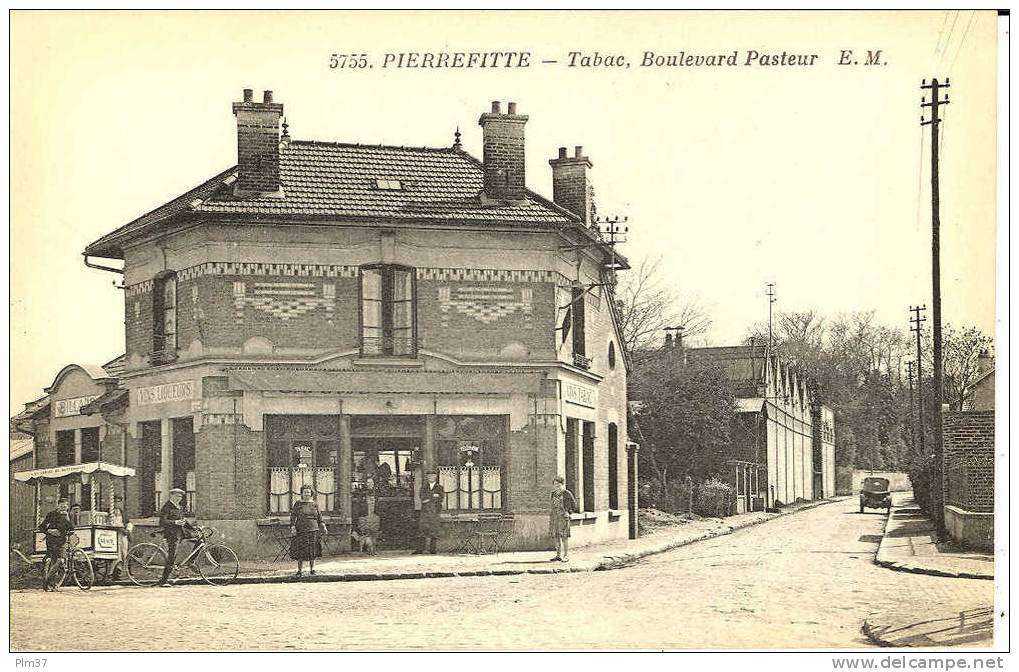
{"points": [[74, 562], [217, 564]]}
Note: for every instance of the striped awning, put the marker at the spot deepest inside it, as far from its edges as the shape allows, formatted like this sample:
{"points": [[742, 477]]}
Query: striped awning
{"points": [[58, 473]]}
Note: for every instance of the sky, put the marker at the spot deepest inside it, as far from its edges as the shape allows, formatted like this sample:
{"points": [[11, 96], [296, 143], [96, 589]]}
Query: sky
{"points": [[815, 178]]}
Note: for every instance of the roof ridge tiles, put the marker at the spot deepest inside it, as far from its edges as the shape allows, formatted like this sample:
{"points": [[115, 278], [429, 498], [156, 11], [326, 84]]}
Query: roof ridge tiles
{"points": [[360, 145]]}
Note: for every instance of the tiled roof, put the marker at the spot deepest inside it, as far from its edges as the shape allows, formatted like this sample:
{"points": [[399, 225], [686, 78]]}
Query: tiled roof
{"points": [[21, 447], [339, 181], [115, 367]]}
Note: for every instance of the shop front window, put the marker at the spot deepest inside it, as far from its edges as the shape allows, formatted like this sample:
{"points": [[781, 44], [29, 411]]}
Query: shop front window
{"points": [[471, 452], [388, 311], [303, 450]]}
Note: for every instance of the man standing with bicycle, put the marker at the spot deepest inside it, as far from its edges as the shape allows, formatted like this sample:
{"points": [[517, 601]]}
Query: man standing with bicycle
{"points": [[174, 529], [56, 526]]}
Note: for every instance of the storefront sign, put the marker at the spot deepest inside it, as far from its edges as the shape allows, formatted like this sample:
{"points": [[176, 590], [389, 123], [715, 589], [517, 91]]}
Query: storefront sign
{"points": [[106, 541], [63, 408], [158, 394], [581, 395]]}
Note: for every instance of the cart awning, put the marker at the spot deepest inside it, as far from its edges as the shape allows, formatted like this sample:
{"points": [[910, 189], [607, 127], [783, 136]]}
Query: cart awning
{"points": [[57, 473]]}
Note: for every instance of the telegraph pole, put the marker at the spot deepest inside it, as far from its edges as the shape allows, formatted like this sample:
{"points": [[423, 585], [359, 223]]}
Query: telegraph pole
{"points": [[935, 121], [917, 321], [912, 427], [772, 298]]}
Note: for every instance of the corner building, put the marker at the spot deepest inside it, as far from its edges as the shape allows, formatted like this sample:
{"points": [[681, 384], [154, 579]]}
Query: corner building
{"points": [[351, 316]]}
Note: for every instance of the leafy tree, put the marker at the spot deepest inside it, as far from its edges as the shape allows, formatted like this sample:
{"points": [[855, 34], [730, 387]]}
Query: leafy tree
{"points": [[684, 412]]}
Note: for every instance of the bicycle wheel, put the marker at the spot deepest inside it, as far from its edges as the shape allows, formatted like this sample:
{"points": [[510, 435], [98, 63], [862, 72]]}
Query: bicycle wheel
{"points": [[218, 565], [81, 569], [59, 574], [145, 563]]}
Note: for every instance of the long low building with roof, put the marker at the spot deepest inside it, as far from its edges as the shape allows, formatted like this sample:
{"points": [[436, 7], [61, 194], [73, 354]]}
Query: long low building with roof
{"points": [[784, 440]]}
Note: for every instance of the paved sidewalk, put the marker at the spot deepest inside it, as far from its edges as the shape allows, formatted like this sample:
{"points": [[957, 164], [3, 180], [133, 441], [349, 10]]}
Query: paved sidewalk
{"points": [[909, 545], [595, 557], [971, 628]]}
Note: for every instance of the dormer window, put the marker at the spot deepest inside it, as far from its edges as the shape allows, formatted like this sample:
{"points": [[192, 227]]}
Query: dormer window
{"points": [[164, 314], [389, 185]]}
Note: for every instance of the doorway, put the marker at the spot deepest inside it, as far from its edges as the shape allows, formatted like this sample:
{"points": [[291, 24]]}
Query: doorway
{"points": [[382, 469]]}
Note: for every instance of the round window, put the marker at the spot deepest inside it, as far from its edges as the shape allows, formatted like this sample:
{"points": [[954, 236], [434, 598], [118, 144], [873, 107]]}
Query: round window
{"points": [[612, 355]]}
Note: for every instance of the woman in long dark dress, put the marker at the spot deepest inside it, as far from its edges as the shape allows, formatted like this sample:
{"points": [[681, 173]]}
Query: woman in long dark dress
{"points": [[563, 503], [306, 521]]}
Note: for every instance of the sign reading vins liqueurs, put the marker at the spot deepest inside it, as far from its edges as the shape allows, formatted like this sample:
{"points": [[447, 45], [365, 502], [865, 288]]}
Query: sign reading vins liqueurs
{"points": [[158, 394], [581, 395]]}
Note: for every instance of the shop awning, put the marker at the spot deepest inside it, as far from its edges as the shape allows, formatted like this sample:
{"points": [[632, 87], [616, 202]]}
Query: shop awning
{"points": [[57, 473], [386, 382]]}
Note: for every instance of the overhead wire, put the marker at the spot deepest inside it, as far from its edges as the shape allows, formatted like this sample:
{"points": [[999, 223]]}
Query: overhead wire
{"points": [[965, 33], [941, 31], [948, 40]]}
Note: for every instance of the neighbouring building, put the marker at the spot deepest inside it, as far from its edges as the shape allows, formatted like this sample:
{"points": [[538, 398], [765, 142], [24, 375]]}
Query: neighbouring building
{"points": [[22, 497], [778, 455], [969, 462], [60, 433], [351, 316], [823, 425]]}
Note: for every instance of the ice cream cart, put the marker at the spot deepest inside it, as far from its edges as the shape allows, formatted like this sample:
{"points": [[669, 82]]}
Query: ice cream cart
{"points": [[100, 540]]}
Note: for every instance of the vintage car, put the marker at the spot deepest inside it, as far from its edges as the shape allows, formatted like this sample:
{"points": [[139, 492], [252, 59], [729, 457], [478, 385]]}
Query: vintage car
{"points": [[874, 494]]}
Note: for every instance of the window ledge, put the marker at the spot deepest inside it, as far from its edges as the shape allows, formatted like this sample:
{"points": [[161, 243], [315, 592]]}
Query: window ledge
{"points": [[583, 515], [395, 362], [615, 513]]}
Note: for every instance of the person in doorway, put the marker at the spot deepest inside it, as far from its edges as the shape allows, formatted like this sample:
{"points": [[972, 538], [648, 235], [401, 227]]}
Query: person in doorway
{"points": [[174, 528], [56, 526], [429, 525], [308, 526], [75, 514], [119, 520], [563, 504]]}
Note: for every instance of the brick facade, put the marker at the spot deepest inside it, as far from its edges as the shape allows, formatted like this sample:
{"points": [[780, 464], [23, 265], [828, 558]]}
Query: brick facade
{"points": [[969, 459], [268, 326]]}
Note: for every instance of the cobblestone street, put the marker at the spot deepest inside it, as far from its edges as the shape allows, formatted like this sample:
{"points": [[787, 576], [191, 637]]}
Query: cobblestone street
{"points": [[799, 581]]}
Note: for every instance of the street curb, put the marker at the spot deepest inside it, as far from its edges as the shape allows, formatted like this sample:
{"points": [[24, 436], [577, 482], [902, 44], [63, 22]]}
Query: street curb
{"points": [[607, 562], [878, 623], [914, 568], [614, 562], [871, 633]]}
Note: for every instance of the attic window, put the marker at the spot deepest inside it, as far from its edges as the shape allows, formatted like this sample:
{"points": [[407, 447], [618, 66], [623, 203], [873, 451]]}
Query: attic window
{"points": [[388, 185]]}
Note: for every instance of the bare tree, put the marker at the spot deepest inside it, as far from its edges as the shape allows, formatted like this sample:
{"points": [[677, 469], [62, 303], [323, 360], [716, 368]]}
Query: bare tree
{"points": [[646, 308]]}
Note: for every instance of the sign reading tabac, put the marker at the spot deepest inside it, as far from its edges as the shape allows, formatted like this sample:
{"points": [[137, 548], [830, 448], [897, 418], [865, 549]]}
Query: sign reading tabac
{"points": [[158, 394], [63, 408], [581, 395]]}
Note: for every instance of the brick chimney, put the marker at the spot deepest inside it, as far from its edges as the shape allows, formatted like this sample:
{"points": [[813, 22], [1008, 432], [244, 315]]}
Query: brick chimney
{"points": [[258, 146], [985, 363], [503, 153], [570, 187]]}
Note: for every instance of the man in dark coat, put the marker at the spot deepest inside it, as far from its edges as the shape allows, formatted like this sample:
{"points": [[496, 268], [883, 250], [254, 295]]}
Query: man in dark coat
{"points": [[429, 525], [56, 526], [172, 524]]}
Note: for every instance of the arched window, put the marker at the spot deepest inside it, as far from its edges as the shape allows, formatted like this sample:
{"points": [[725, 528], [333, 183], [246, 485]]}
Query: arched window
{"points": [[164, 315], [612, 355]]}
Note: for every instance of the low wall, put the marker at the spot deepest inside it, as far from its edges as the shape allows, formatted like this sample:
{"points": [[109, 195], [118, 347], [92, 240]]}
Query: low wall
{"points": [[898, 481], [970, 529]]}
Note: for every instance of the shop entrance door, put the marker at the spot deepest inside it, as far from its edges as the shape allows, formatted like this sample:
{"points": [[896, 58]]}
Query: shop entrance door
{"points": [[380, 471]]}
